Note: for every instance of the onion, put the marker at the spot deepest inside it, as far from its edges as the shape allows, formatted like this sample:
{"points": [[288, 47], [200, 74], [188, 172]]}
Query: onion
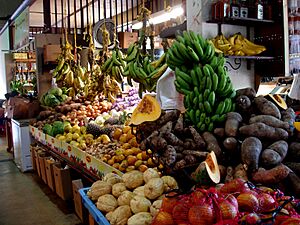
{"points": [[201, 215], [228, 211], [247, 202], [266, 202]]}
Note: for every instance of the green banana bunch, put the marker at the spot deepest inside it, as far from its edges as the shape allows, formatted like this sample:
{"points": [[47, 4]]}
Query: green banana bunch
{"points": [[202, 79], [140, 69], [115, 65]]}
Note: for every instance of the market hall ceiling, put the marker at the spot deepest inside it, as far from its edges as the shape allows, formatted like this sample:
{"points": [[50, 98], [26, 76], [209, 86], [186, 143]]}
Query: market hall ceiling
{"points": [[7, 9]]}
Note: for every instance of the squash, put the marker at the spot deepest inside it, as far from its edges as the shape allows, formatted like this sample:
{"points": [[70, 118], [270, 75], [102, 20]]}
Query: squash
{"points": [[112, 178], [133, 179], [139, 204], [147, 110], [139, 191], [117, 189], [155, 207], [150, 173], [278, 100], [107, 203], [154, 188], [98, 189], [125, 198], [297, 126], [212, 167], [142, 218], [120, 215]]}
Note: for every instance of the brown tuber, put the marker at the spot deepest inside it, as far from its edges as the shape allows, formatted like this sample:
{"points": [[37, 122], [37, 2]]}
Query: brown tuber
{"points": [[274, 154], [249, 92], [231, 144], [179, 126], [172, 139], [169, 156], [219, 132], [212, 143], [168, 116], [272, 176], [197, 138], [294, 151], [269, 120], [267, 107], [250, 152], [233, 120], [262, 130]]}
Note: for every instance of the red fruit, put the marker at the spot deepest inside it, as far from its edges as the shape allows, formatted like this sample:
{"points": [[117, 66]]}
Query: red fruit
{"points": [[169, 203], [201, 215], [291, 221], [236, 185], [163, 218], [247, 202], [252, 219], [266, 202], [180, 213], [230, 198], [228, 211], [198, 197]]}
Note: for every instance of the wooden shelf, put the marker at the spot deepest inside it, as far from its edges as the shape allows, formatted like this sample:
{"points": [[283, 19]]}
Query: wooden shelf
{"points": [[254, 57], [240, 21], [25, 60], [27, 71]]}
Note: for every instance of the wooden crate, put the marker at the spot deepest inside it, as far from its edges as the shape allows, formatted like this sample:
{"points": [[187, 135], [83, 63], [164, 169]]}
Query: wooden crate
{"points": [[63, 182], [33, 157], [126, 38], [51, 52], [91, 220], [77, 184], [49, 173]]}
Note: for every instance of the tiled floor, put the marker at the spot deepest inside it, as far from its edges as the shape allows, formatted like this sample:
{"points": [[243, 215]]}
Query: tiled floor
{"points": [[25, 200]]}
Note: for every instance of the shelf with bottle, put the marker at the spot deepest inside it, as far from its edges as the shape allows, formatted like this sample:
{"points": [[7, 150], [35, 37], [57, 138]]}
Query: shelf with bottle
{"points": [[242, 12]]}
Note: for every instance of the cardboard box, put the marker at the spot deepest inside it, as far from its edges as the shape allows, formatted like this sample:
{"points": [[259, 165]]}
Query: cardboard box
{"points": [[51, 53], [76, 185], [41, 160], [63, 182], [37, 163], [127, 38], [49, 173]]}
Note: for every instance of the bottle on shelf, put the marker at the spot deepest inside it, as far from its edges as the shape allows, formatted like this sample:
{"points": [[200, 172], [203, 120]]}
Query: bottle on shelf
{"points": [[220, 9], [259, 8], [268, 11], [244, 10], [234, 9]]}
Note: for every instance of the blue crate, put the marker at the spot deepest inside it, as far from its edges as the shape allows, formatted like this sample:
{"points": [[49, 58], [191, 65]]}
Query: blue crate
{"points": [[97, 215]]}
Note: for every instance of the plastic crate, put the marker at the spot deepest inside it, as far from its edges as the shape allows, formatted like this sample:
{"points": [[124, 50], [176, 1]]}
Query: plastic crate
{"points": [[98, 216]]}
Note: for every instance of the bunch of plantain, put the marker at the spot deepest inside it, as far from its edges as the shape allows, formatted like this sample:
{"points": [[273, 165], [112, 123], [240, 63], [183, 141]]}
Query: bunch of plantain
{"points": [[236, 45], [202, 79], [140, 69], [115, 65]]}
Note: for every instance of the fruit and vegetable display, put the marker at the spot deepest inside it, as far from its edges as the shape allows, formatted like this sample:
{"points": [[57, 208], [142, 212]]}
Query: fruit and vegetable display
{"points": [[133, 199], [236, 45], [202, 79], [236, 202]]}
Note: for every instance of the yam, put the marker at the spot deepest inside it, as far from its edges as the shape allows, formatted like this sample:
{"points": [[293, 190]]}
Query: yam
{"points": [[167, 128], [231, 144], [169, 156], [269, 120], [212, 143], [249, 92], [243, 102], [233, 120], [289, 117], [197, 154], [250, 152], [270, 158], [179, 126], [168, 116], [267, 107], [172, 139], [272, 176], [219, 132], [197, 137], [262, 130]]}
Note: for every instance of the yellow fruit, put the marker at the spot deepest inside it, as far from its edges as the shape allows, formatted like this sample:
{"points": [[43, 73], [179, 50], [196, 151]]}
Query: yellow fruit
{"points": [[120, 151], [129, 168], [117, 133], [150, 162], [82, 145], [75, 136], [69, 137], [123, 138], [126, 129], [143, 168], [62, 138], [126, 146], [104, 139], [128, 152], [75, 143], [136, 150], [138, 163], [131, 160], [119, 158], [68, 128], [297, 125], [75, 129], [83, 129], [139, 156], [133, 142], [89, 136]]}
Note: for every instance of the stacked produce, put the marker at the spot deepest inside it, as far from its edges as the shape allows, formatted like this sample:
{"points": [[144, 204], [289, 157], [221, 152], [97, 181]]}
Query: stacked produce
{"points": [[234, 203], [120, 149], [140, 69], [133, 199], [236, 45], [128, 102], [53, 97], [201, 77]]}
